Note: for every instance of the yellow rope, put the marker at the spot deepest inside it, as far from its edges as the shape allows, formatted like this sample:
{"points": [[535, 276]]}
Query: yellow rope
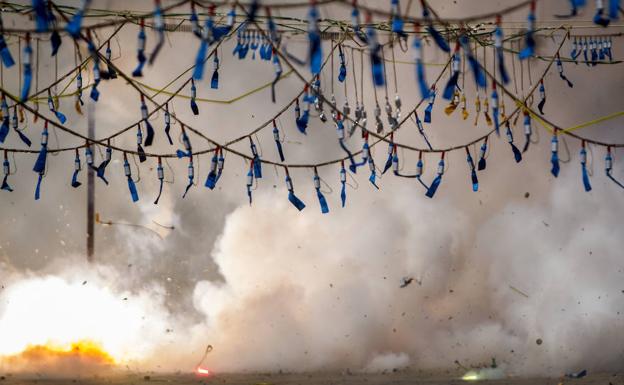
{"points": [[158, 91], [43, 100], [550, 128], [595, 121], [414, 63], [219, 101]]}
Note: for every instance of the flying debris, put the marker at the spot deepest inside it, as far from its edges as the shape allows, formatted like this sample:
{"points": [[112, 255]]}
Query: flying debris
{"points": [[102, 222], [580, 374], [406, 281], [519, 292], [461, 366]]}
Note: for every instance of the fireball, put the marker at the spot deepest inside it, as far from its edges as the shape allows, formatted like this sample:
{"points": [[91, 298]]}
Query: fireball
{"points": [[81, 356], [51, 322]]}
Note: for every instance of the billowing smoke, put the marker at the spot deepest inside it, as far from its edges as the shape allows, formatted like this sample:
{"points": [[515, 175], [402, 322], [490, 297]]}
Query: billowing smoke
{"points": [[335, 300], [527, 258]]}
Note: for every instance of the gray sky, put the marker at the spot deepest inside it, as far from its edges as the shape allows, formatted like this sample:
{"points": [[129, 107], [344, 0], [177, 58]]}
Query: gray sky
{"points": [[322, 291]]}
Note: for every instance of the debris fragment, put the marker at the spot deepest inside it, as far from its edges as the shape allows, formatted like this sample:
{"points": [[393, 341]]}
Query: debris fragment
{"points": [[518, 291], [538, 341], [580, 374], [461, 366], [405, 281]]}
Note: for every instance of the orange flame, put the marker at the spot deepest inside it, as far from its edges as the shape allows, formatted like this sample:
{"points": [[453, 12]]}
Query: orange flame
{"points": [[84, 354]]}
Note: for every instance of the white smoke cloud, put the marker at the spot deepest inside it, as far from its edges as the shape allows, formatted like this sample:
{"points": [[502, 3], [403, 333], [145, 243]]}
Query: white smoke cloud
{"points": [[388, 361], [271, 288]]}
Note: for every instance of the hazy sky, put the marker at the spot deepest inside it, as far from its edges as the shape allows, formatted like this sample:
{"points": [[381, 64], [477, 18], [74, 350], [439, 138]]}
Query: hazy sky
{"points": [[270, 287]]}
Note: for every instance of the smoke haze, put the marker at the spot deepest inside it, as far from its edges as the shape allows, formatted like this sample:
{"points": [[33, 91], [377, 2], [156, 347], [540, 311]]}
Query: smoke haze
{"points": [[271, 288]]}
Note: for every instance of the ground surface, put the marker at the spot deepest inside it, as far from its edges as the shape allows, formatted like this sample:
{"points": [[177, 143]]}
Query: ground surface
{"points": [[397, 378]]}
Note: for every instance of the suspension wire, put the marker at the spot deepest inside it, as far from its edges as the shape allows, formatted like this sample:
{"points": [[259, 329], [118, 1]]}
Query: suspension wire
{"points": [[355, 86], [396, 83], [383, 58]]}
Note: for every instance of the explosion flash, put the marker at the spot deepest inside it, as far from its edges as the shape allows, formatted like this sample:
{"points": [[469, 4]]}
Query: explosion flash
{"points": [[77, 322]]}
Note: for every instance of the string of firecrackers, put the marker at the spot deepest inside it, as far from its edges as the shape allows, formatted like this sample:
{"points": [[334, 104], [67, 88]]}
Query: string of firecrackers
{"points": [[45, 19], [105, 141], [601, 18], [63, 94], [133, 82], [126, 16], [121, 17], [548, 126], [158, 107], [290, 184], [555, 130], [125, 163], [75, 71], [532, 4], [385, 137], [156, 155], [527, 53], [102, 141], [163, 90]]}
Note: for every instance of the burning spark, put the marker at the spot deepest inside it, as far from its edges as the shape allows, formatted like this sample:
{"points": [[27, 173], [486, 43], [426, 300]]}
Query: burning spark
{"points": [[471, 376], [492, 373], [202, 372]]}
